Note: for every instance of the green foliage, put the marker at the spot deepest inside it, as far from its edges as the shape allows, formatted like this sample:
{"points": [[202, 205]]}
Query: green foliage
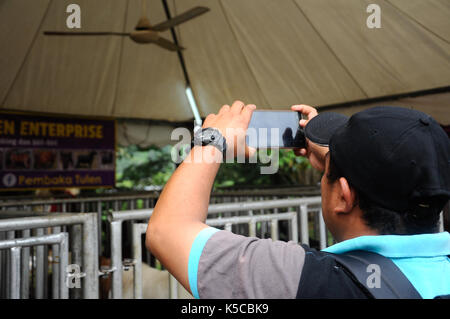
{"points": [[137, 168]]}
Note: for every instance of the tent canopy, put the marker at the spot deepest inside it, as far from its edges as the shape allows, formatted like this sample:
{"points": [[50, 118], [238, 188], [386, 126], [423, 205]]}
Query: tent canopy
{"points": [[270, 53]]}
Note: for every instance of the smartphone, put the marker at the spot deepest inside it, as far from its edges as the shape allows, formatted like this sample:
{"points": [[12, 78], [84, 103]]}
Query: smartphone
{"points": [[275, 129]]}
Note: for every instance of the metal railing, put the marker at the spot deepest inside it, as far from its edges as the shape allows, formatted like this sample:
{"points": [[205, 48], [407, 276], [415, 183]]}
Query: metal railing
{"points": [[247, 215], [18, 283], [83, 242], [296, 219], [135, 200]]}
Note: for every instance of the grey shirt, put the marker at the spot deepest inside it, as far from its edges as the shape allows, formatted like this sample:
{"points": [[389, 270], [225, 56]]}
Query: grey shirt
{"points": [[234, 266]]}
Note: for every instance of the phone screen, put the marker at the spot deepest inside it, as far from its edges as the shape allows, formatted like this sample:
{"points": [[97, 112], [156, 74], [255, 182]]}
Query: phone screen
{"points": [[275, 129]]}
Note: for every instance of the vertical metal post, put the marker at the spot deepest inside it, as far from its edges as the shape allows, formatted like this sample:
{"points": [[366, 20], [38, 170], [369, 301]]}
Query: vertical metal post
{"points": [[100, 225], [274, 229], [45, 267], [76, 240], [294, 226], [63, 263], [228, 226], [39, 275], [137, 256], [25, 272], [304, 232], [2, 268], [15, 273], [116, 259], [441, 222], [90, 257], [55, 266], [252, 228], [322, 231], [9, 235]]}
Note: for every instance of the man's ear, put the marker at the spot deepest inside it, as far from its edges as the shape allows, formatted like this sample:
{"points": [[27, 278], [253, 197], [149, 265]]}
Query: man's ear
{"points": [[348, 196]]}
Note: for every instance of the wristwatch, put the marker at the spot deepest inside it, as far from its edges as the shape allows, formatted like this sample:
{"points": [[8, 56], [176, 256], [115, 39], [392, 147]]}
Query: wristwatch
{"points": [[210, 136]]}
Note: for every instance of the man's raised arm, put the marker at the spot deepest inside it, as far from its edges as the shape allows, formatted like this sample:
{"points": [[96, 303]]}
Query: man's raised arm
{"points": [[182, 208]]}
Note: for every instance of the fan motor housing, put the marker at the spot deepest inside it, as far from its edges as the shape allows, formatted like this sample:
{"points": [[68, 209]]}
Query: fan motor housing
{"points": [[144, 36]]}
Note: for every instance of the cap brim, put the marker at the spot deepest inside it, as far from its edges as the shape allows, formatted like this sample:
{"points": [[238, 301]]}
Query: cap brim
{"points": [[321, 128]]}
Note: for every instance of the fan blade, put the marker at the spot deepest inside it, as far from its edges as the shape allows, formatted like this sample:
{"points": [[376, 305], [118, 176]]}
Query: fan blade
{"points": [[166, 44], [188, 15], [84, 33]]}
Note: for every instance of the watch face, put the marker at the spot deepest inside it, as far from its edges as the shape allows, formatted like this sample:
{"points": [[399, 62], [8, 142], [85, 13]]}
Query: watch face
{"points": [[209, 136]]}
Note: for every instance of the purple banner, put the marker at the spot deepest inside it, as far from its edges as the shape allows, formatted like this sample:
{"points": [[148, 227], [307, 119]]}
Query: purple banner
{"points": [[38, 151]]}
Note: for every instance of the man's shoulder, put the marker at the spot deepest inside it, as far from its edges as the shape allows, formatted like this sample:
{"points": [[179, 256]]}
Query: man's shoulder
{"points": [[323, 277]]}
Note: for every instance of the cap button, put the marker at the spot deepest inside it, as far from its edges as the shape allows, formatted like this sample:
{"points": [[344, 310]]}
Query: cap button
{"points": [[424, 121]]}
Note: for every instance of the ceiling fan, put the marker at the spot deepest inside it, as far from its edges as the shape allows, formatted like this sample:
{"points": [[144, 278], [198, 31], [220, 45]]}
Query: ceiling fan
{"points": [[145, 32]]}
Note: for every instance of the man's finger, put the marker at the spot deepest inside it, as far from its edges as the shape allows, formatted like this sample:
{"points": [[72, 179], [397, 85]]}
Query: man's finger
{"points": [[307, 110], [237, 107], [208, 119], [300, 151], [224, 109], [247, 112]]}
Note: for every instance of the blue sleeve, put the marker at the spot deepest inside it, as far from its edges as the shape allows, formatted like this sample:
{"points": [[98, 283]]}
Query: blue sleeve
{"points": [[194, 257]]}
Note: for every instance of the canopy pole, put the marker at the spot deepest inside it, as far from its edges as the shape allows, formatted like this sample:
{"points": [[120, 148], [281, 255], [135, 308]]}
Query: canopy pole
{"points": [[193, 104]]}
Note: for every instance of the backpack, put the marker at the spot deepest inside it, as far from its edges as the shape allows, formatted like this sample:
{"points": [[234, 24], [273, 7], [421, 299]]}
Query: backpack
{"points": [[392, 283]]}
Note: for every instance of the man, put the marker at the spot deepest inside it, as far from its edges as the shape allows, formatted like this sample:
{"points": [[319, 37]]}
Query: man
{"points": [[386, 178]]}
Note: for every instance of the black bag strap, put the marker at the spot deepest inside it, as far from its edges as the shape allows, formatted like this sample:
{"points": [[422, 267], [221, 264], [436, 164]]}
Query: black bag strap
{"points": [[393, 283]]}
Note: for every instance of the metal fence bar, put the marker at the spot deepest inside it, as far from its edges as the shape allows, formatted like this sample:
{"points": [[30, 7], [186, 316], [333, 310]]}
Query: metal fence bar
{"points": [[2, 269], [116, 219], [15, 273], [322, 231], [249, 219], [221, 208], [55, 266], [138, 230], [294, 228], [252, 228], [90, 257], [441, 222], [25, 278], [116, 259], [63, 263], [75, 242], [64, 201], [99, 223], [39, 283], [9, 235], [274, 229], [15, 246], [90, 246], [304, 231]]}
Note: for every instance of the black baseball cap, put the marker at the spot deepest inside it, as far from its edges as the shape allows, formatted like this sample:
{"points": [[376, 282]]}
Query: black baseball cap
{"points": [[395, 156]]}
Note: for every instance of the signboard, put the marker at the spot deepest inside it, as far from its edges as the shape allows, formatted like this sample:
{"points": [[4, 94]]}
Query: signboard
{"points": [[38, 151]]}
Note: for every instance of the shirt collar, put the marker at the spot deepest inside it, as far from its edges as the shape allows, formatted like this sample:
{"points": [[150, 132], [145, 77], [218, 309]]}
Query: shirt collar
{"points": [[398, 246]]}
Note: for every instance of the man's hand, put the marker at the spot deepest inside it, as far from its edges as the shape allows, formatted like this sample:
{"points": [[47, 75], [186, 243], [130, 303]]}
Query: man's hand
{"points": [[233, 122], [315, 153]]}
